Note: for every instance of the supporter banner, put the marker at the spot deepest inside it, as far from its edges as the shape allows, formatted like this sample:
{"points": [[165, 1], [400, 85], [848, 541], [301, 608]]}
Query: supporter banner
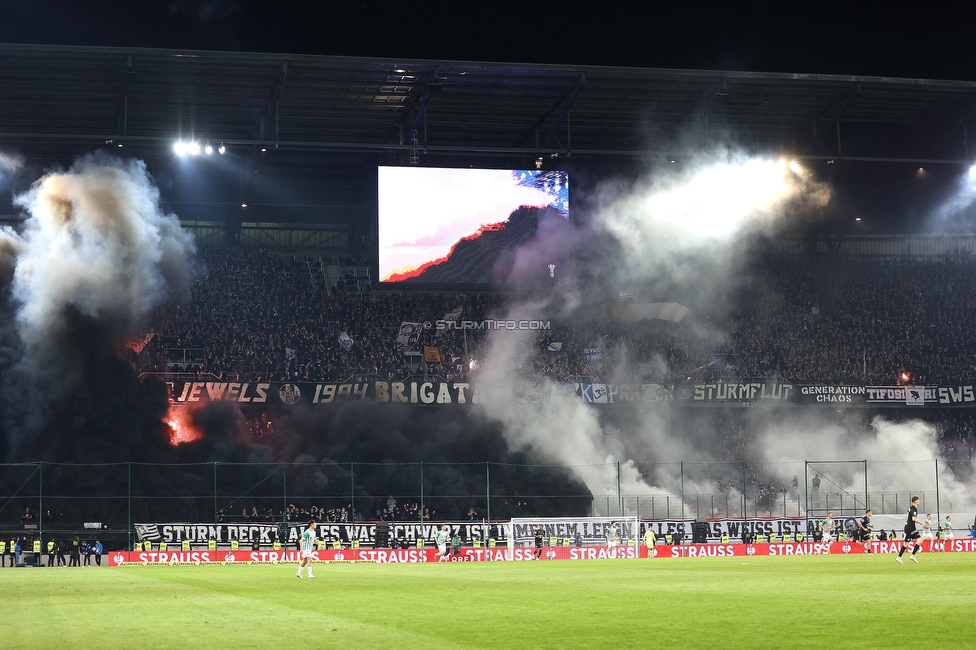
{"points": [[272, 394], [531, 391], [407, 533], [582, 531], [267, 533], [914, 396], [744, 391], [832, 395], [734, 528], [627, 552]]}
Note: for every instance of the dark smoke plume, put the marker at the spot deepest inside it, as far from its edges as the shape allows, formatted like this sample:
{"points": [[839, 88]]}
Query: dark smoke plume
{"points": [[95, 255]]}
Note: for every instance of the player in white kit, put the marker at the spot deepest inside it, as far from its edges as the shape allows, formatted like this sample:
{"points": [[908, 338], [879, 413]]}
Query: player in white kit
{"points": [[308, 544], [441, 538]]}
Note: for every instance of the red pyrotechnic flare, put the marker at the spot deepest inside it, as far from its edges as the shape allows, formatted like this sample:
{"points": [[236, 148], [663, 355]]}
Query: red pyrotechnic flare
{"points": [[179, 419]]}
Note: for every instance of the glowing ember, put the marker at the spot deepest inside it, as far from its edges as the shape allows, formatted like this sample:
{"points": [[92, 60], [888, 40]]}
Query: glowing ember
{"points": [[181, 429]]}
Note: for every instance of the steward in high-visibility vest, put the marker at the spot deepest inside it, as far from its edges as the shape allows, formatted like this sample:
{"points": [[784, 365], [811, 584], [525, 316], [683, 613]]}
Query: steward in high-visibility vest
{"points": [[553, 541], [147, 545], [725, 539], [36, 547], [336, 545], [760, 539], [355, 544], [3, 553], [276, 546], [235, 545], [162, 546], [476, 543], [798, 537], [772, 539], [321, 545], [420, 542], [565, 542], [668, 539], [50, 552], [491, 542], [185, 545], [211, 544]]}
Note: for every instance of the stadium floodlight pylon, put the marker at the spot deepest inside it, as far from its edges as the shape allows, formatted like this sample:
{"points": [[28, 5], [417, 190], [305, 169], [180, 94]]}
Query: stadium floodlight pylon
{"points": [[581, 531]]}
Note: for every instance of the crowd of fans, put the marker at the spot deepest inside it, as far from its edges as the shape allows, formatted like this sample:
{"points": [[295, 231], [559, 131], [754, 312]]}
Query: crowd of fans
{"points": [[810, 319], [262, 317]]}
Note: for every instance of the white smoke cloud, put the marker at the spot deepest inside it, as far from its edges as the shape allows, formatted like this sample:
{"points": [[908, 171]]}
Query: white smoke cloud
{"points": [[95, 240], [10, 162], [901, 456], [955, 212], [685, 224]]}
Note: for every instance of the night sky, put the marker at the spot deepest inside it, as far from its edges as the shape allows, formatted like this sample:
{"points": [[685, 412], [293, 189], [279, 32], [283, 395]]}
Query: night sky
{"points": [[866, 38]]}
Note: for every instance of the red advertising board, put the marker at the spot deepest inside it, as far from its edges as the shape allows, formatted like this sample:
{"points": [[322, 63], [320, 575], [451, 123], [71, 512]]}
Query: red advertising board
{"points": [[399, 556]]}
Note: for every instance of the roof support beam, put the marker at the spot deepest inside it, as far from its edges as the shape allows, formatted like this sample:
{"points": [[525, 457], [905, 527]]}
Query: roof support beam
{"points": [[273, 104], [122, 116], [698, 116], [562, 104], [429, 84]]}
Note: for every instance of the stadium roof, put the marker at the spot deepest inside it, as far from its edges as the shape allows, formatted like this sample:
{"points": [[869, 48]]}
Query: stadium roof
{"points": [[63, 96]]}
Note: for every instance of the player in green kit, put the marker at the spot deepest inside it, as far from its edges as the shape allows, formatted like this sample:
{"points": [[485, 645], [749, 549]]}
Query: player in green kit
{"points": [[308, 543], [827, 528]]}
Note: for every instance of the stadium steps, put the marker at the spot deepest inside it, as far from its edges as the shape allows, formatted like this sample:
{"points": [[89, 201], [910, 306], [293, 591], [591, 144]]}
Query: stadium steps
{"points": [[332, 275]]}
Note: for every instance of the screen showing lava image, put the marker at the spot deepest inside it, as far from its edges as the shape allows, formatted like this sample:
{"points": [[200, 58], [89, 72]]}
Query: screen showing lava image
{"points": [[438, 225]]}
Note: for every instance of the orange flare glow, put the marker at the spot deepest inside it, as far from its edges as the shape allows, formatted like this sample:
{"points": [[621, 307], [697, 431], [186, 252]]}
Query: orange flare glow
{"points": [[179, 419]]}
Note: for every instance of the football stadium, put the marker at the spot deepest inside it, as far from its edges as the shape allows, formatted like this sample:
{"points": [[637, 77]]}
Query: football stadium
{"points": [[370, 351]]}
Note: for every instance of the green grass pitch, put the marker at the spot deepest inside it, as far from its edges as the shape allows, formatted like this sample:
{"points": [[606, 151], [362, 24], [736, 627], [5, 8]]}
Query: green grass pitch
{"points": [[778, 602]]}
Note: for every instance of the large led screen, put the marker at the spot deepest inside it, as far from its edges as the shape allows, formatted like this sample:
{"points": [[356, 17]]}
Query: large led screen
{"points": [[464, 226]]}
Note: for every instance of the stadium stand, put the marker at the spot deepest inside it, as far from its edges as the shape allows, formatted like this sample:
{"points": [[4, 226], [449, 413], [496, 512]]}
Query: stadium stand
{"points": [[809, 319]]}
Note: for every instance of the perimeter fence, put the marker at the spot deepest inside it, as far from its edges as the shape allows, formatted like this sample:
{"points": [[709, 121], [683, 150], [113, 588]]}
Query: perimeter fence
{"points": [[111, 497]]}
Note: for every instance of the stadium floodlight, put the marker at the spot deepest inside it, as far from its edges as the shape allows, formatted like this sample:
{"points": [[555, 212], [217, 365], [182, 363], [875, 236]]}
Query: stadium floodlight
{"points": [[972, 172], [208, 149], [190, 148], [221, 149]]}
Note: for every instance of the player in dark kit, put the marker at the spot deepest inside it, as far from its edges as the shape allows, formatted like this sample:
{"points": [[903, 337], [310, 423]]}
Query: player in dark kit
{"points": [[863, 532], [911, 531]]}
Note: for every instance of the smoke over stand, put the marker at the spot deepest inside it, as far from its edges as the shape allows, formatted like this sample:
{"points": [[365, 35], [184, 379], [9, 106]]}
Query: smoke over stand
{"points": [[95, 255]]}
